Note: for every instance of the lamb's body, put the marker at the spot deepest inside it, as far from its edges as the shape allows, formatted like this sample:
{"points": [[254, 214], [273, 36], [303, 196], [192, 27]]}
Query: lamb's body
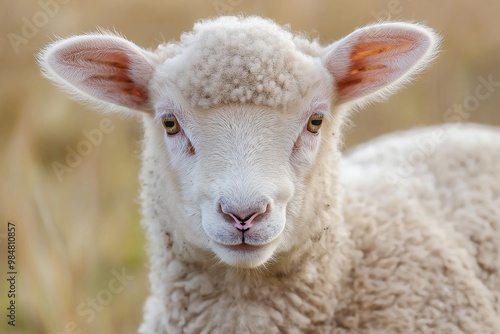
{"points": [[436, 253], [428, 264], [256, 225]]}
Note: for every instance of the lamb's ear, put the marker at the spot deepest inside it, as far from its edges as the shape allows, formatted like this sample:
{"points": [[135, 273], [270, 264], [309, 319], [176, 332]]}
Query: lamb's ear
{"points": [[101, 68], [372, 62]]}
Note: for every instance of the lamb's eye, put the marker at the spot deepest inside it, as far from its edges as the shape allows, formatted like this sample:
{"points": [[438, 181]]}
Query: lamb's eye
{"points": [[314, 123], [170, 124]]}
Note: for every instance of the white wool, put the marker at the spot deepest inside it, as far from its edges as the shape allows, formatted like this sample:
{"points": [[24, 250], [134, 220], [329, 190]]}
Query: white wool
{"points": [[241, 60]]}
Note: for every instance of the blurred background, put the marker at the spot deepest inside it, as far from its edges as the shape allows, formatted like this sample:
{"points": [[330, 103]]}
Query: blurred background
{"points": [[80, 249]]}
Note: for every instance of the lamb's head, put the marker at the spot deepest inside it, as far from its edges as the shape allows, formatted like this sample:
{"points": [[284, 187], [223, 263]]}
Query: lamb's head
{"points": [[239, 114]]}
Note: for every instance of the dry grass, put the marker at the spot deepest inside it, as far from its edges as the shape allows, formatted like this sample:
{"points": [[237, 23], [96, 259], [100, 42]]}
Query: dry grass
{"points": [[73, 234]]}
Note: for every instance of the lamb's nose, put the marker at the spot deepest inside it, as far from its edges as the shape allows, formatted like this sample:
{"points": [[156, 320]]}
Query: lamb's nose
{"points": [[243, 219], [243, 224]]}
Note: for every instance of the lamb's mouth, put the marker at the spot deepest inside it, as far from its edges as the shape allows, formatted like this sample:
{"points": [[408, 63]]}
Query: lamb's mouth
{"points": [[244, 247], [243, 254], [241, 246]]}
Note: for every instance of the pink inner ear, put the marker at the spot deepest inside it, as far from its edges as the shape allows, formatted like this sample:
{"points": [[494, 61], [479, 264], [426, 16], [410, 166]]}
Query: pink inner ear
{"points": [[105, 74], [376, 60], [396, 44], [374, 64]]}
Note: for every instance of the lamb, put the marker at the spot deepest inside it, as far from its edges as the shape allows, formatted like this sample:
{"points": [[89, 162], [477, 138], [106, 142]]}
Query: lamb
{"points": [[255, 221]]}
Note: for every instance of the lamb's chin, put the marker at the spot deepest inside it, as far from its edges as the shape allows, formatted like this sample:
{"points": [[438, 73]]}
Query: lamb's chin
{"points": [[245, 255]]}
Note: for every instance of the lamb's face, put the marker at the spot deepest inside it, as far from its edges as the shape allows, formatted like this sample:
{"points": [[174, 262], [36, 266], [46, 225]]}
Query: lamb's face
{"points": [[241, 100], [242, 170], [242, 103]]}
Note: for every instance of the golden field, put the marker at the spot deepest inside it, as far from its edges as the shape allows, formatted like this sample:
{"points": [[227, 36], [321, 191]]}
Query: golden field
{"points": [[80, 251]]}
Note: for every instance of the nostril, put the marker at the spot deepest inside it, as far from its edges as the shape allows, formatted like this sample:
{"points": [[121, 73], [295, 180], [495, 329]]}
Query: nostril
{"points": [[243, 219], [243, 222]]}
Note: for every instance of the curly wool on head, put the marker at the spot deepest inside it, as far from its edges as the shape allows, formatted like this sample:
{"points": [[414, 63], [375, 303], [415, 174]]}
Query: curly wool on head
{"points": [[241, 60]]}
